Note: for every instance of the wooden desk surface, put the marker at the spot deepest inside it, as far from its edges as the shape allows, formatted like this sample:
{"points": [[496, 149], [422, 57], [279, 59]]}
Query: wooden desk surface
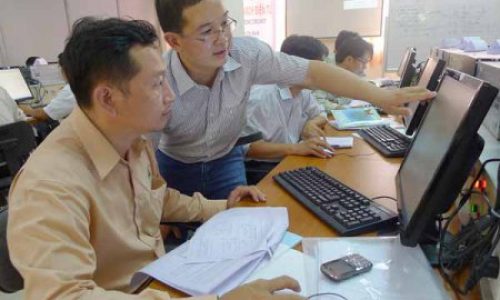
{"points": [[361, 168]]}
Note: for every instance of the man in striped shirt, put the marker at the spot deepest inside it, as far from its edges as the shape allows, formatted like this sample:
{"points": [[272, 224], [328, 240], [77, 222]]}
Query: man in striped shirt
{"points": [[211, 74]]}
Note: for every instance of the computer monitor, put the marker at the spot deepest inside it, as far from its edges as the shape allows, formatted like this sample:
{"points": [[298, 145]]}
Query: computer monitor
{"points": [[441, 156], [13, 82], [406, 70], [429, 79]]}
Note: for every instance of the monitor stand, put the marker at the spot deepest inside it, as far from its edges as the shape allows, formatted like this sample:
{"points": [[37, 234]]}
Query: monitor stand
{"points": [[469, 153]]}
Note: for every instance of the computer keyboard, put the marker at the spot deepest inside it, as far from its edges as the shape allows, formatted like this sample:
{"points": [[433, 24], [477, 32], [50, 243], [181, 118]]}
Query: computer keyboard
{"points": [[387, 140], [342, 208]]}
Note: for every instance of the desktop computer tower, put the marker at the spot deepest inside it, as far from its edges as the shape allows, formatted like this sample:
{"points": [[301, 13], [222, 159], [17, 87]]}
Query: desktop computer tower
{"points": [[461, 62], [490, 71]]}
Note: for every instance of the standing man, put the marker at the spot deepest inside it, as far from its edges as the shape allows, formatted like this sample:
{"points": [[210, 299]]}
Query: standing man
{"points": [[85, 210], [211, 74]]}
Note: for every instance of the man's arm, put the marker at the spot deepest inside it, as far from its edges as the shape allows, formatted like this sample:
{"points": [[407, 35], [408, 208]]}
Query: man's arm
{"points": [[49, 238], [57, 109], [37, 113], [181, 208], [281, 68], [341, 82]]}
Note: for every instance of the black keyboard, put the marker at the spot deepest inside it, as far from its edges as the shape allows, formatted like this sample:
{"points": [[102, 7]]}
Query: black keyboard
{"points": [[387, 140], [342, 208]]}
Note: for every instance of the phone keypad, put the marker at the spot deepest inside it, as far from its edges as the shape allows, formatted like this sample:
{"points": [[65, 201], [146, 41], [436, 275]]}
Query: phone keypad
{"points": [[357, 261]]}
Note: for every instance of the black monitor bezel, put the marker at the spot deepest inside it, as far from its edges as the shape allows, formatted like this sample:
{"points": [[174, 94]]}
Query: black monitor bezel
{"points": [[413, 122], [406, 76], [441, 193]]}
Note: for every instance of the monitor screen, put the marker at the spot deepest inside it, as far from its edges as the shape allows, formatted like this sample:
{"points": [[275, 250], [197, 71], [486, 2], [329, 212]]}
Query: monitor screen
{"points": [[429, 79], [428, 180], [13, 82], [406, 69]]}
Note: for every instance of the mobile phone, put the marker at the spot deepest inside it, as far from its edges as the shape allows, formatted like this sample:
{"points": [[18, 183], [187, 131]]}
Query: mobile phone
{"points": [[346, 267]]}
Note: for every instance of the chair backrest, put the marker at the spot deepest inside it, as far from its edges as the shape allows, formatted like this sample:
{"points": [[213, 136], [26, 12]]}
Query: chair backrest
{"points": [[17, 140], [10, 279]]}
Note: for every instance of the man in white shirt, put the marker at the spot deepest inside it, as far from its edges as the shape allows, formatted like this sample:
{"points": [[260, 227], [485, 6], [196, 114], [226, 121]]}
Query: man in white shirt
{"points": [[57, 109], [289, 118], [352, 53], [9, 112]]}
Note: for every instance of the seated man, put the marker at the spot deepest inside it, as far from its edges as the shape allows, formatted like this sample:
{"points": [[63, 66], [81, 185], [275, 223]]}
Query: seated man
{"points": [[285, 116], [341, 37], [57, 109], [85, 209], [353, 54]]}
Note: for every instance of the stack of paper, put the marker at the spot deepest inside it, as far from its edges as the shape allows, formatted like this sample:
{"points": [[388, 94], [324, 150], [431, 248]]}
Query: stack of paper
{"points": [[290, 263], [222, 253]]}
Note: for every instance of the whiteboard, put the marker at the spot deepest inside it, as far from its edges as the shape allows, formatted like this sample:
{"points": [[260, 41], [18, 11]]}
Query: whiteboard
{"points": [[326, 18], [424, 23]]}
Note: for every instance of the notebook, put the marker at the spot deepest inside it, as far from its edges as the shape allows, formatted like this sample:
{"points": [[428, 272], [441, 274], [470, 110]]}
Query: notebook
{"points": [[355, 118]]}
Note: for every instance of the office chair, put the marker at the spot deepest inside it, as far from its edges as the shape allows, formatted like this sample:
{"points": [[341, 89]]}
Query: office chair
{"points": [[17, 140], [255, 170], [10, 279]]}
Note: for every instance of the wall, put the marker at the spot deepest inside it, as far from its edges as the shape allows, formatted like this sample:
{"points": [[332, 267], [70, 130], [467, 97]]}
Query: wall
{"points": [[424, 23], [235, 8], [39, 28]]}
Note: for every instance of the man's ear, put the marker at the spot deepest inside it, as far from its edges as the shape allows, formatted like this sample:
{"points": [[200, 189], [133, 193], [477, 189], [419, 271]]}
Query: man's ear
{"points": [[349, 59], [104, 97], [173, 40]]}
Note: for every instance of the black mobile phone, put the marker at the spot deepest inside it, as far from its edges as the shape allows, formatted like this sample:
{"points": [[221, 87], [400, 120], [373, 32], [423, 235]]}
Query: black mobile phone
{"points": [[346, 267]]}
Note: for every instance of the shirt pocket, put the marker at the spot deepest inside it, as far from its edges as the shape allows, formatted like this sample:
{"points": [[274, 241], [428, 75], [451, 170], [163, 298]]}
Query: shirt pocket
{"points": [[151, 205]]}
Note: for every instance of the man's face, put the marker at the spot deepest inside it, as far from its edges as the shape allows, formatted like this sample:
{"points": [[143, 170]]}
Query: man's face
{"points": [[147, 105], [358, 65], [206, 35]]}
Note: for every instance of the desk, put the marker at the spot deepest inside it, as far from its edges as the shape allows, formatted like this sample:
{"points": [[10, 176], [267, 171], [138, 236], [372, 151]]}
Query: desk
{"points": [[361, 168]]}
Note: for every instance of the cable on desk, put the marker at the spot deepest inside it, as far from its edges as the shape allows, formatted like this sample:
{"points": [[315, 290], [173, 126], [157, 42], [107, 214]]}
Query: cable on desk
{"points": [[354, 155], [313, 297], [384, 197]]}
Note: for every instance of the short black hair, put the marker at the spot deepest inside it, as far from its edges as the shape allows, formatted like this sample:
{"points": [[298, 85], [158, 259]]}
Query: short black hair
{"points": [[99, 49], [31, 60], [355, 47], [344, 35], [170, 13], [304, 46]]}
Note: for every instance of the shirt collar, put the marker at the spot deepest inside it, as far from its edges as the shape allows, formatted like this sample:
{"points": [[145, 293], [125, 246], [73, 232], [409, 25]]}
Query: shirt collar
{"points": [[101, 152], [231, 65], [285, 93], [182, 78]]}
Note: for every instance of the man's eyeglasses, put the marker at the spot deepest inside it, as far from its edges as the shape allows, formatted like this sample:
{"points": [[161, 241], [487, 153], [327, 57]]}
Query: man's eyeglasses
{"points": [[364, 61], [212, 34]]}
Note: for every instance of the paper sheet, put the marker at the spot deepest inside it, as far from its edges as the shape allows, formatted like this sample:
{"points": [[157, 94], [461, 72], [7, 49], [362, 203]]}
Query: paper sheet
{"points": [[291, 263], [198, 273], [340, 142]]}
